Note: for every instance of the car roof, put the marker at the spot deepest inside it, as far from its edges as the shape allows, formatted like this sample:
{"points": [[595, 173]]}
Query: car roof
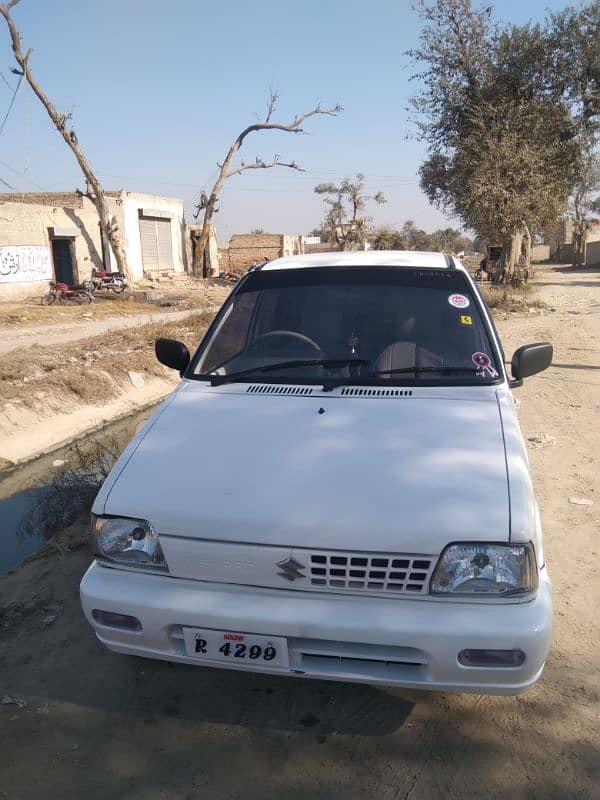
{"points": [[366, 258]]}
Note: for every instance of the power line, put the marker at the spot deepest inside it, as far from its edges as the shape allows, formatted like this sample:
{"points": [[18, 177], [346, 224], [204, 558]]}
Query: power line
{"points": [[10, 105], [5, 81], [6, 183], [22, 175]]}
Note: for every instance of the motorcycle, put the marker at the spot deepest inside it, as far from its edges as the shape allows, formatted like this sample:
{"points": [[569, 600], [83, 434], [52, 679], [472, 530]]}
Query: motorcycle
{"points": [[64, 293], [111, 281]]}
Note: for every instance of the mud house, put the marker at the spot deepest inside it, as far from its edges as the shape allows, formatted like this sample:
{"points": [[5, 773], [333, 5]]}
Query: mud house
{"points": [[562, 250], [56, 235], [244, 250]]}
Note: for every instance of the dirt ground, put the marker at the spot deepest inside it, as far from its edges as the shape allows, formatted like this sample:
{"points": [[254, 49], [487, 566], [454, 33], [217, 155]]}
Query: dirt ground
{"points": [[50, 395], [97, 725], [28, 323]]}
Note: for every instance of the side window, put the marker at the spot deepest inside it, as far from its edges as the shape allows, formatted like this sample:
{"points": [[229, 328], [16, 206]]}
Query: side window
{"points": [[231, 337]]}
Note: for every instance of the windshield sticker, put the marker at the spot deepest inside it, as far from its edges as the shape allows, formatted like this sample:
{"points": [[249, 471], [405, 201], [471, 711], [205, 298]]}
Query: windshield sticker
{"points": [[465, 319], [459, 301], [484, 365]]}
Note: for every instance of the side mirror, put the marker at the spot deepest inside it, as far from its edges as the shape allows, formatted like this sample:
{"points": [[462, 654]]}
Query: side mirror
{"points": [[172, 354], [529, 359]]}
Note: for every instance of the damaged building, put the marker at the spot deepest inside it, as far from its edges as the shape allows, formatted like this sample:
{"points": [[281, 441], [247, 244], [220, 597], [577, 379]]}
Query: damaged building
{"points": [[56, 236]]}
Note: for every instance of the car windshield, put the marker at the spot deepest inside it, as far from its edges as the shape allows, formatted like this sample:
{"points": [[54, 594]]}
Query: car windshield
{"points": [[350, 326]]}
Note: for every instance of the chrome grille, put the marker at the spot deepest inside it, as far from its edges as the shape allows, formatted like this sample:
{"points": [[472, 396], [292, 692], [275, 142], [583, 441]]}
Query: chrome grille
{"points": [[370, 572]]}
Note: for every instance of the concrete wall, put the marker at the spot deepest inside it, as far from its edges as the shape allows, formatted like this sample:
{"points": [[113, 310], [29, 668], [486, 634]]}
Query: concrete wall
{"points": [[132, 204], [540, 252], [27, 220], [24, 224], [592, 255]]}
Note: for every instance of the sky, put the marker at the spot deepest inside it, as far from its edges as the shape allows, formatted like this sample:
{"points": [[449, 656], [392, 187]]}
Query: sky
{"points": [[157, 92]]}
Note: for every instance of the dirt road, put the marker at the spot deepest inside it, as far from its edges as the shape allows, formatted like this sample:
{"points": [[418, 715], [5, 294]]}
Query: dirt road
{"points": [[66, 332], [98, 725], [27, 323]]}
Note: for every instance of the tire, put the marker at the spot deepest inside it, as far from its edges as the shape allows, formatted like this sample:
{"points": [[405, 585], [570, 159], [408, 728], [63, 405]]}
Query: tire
{"points": [[63, 299], [48, 298], [118, 288]]}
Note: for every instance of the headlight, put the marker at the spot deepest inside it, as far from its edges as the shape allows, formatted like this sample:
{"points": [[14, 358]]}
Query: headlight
{"points": [[131, 542], [485, 569]]}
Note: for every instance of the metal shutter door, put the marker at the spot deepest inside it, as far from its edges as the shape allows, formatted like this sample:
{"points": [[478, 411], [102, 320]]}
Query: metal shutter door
{"points": [[149, 244], [165, 246]]}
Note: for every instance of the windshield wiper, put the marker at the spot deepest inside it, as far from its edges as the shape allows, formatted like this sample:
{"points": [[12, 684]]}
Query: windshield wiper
{"points": [[217, 380], [333, 384], [470, 370]]}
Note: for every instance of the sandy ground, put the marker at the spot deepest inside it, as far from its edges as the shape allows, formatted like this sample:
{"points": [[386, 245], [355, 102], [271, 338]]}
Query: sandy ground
{"points": [[98, 725]]}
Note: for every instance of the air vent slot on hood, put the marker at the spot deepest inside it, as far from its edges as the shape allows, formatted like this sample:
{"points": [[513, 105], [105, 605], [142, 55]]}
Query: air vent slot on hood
{"points": [[266, 388], [376, 392]]}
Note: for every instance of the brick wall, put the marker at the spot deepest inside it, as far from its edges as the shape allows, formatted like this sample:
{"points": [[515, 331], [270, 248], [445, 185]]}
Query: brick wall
{"points": [[56, 199], [246, 249]]}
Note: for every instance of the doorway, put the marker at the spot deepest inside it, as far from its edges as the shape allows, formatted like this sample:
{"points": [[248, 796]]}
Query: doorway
{"points": [[64, 261]]}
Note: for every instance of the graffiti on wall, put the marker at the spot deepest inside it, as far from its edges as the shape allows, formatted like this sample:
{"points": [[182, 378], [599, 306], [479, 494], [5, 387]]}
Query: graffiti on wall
{"points": [[24, 263]]}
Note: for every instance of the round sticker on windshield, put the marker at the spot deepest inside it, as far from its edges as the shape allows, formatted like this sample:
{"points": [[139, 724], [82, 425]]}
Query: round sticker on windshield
{"points": [[481, 360], [459, 301]]}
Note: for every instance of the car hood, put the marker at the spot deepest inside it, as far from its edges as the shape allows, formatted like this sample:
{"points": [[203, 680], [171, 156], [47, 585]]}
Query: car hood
{"points": [[403, 474]]}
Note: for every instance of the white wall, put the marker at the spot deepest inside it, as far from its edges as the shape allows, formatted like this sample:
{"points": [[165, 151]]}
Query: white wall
{"points": [[26, 226], [132, 202]]}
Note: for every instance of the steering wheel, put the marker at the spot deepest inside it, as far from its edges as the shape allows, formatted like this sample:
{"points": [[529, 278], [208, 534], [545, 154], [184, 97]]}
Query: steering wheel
{"points": [[269, 343]]}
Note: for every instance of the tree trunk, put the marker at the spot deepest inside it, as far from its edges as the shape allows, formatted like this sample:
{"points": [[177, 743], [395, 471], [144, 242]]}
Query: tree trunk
{"points": [[526, 247], [524, 263], [200, 260], [505, 266], [95, 193], [579, 241]]}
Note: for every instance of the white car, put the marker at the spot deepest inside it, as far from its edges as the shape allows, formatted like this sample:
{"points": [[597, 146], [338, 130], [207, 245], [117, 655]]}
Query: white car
{"points": [[338, 488]]}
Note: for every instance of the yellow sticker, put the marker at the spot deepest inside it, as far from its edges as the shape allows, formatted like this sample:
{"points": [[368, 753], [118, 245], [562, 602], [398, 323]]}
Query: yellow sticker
{"points": [[465, 319]]}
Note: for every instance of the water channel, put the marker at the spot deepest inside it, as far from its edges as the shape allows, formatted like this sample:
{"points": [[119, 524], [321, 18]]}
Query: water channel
{"points": [[22, 532]]}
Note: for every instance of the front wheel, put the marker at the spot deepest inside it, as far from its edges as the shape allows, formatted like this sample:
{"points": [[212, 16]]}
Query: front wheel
{"points": [[48, 298], [118, 288]]}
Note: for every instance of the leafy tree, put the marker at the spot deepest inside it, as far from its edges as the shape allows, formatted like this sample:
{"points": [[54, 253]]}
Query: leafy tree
{"points": [[450, 240], [345, 205], [416, 238], [388, 239], [324, 234], [502, 127]]}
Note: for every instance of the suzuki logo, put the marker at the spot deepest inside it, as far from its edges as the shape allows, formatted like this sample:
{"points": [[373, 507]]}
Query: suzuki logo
{"points": [[290, 569]]}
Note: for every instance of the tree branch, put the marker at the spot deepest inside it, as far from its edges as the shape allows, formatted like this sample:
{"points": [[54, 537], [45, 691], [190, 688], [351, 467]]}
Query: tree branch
{"points": [[107, 221], [208, 201], [260, 164]]}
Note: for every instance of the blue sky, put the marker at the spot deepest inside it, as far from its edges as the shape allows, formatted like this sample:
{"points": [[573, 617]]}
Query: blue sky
{"points": [[158, 91]]}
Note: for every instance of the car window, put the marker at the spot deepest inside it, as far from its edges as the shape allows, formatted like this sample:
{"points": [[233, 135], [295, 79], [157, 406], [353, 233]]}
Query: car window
{"points": [[382, 325]]}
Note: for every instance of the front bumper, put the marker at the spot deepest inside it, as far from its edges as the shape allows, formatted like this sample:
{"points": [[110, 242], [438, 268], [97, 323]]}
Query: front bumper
{"points": [[410, 643]]}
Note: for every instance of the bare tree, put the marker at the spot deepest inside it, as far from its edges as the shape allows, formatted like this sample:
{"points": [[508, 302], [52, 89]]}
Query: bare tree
{"points": [[208, 202], [94, 192]]}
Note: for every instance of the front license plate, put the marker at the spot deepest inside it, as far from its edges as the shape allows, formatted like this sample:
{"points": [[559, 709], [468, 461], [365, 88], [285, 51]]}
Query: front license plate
{"points": [[241, 649]]}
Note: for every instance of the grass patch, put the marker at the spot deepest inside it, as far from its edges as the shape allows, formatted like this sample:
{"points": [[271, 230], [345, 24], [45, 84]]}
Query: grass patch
{"points": [[68, 498], [502, 298], [93, 371]]}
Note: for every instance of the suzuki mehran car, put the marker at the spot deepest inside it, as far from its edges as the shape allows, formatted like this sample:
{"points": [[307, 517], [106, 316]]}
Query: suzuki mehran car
{"points": [[338, 488]]}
